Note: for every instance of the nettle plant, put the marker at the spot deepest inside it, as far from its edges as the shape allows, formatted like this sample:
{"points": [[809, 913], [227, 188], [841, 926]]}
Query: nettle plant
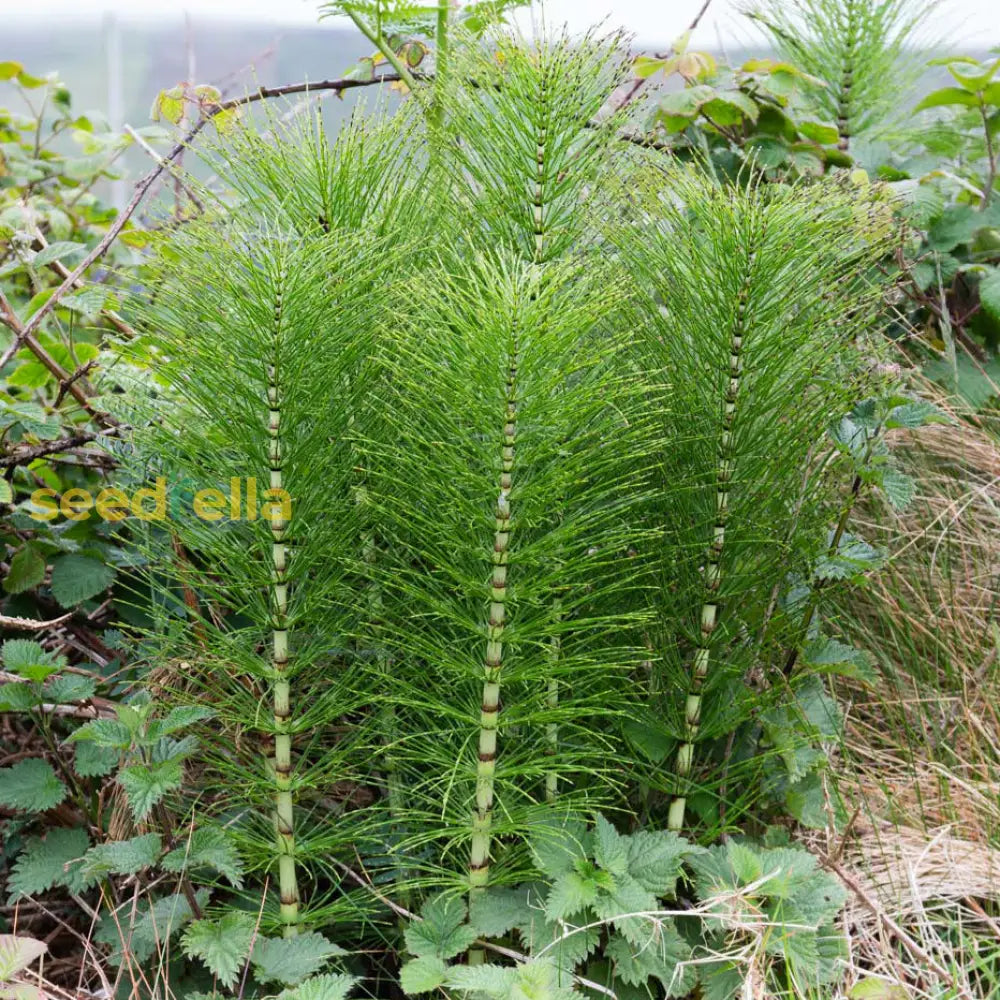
{"points": [[552, 417]]}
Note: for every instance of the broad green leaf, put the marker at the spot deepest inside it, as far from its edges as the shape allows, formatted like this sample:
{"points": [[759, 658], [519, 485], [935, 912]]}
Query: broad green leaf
{"points": [[123, 857], [826, 135], [56, 251], [899, 488], [558, 843], [954, 226], [989, 292], [27, 659], [630, 907], [611, 849], [30, 375], [442, 931], [655, 860], [207, 847], [177, 718], [9, 69], [915, 413], [290, 960], [329, 986], [665, 956], [688, 101], [30, 786], [27, 570], [93, 761], [17, 953], [496, 911], [77, 578], [109, 733], [47, 862], [6, 491], [146, 784], [68, 688], [825, 655], [947, 97], [422, 975], [571, 893], [871, 988], [222, 945]]}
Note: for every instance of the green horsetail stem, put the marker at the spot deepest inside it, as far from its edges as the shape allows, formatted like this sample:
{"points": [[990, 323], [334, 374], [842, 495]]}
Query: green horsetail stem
{"points": [[284, 819], [538, 219], [713, 564], [482, 820]]}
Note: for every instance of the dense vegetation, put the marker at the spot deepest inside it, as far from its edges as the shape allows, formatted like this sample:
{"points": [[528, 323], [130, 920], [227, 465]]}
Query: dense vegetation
{"points": [[505, 548]]}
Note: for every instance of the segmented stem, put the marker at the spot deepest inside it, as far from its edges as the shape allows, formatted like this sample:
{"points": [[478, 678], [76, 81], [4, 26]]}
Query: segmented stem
{"points": [[538, 218], [482, 821], [284, 820], [847, 80], [713, 561]]}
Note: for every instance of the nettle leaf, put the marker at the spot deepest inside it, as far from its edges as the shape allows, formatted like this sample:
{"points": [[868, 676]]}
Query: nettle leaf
{"points": [[68, 688], [566, 946], [109, 733], [56, 251], [989, 292], [665, 955], [30, 786], [177, 718], [826, 655], [93, 761], [27, 570], [19, 697], [806, 801], [122, 857], [720, 980], [223, 945], [290, 960], [17, 953], [146, 784], [854, 557], [27, 659], [631, 908], [423, 974], [558, 843], [575, 891], [48, 861], [488, 980], [915, 413], [610, 848], [496, 911], [655, 860], [899, 488], [77, 578], [330, 986], [207, 847], [442, 931]]}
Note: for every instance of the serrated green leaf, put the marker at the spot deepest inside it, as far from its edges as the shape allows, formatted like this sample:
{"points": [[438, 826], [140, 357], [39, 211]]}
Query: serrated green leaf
{"points": [[146, 784], [496, 911], [422, 975], [56, 251], [330, 986], [109, 733], [610, 848], [570, 894], [178, 718], [77, 578], [47, 862], [123, 857], [290, 960], [64, 689], [558, 843], [93, 761], [831, 656], [989, 292], [629, 907], [222, 945], [30, 786], [442, 931], [27, 570], [17, 953], [899, 488], [655, 860], [207, 847], [665, 956], [28, 659], [17, 697]]}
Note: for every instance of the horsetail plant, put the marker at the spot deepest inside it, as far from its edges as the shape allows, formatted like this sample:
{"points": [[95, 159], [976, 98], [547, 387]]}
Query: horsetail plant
{"points": [[253, 321], [753, 297]]}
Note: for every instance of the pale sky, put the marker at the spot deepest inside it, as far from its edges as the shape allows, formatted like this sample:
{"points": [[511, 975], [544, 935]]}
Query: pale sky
{"points": [[972, 23]]}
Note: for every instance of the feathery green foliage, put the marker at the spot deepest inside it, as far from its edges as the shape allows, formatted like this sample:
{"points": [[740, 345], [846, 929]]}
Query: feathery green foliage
{"points": [[857, 48], [767, 296]]}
